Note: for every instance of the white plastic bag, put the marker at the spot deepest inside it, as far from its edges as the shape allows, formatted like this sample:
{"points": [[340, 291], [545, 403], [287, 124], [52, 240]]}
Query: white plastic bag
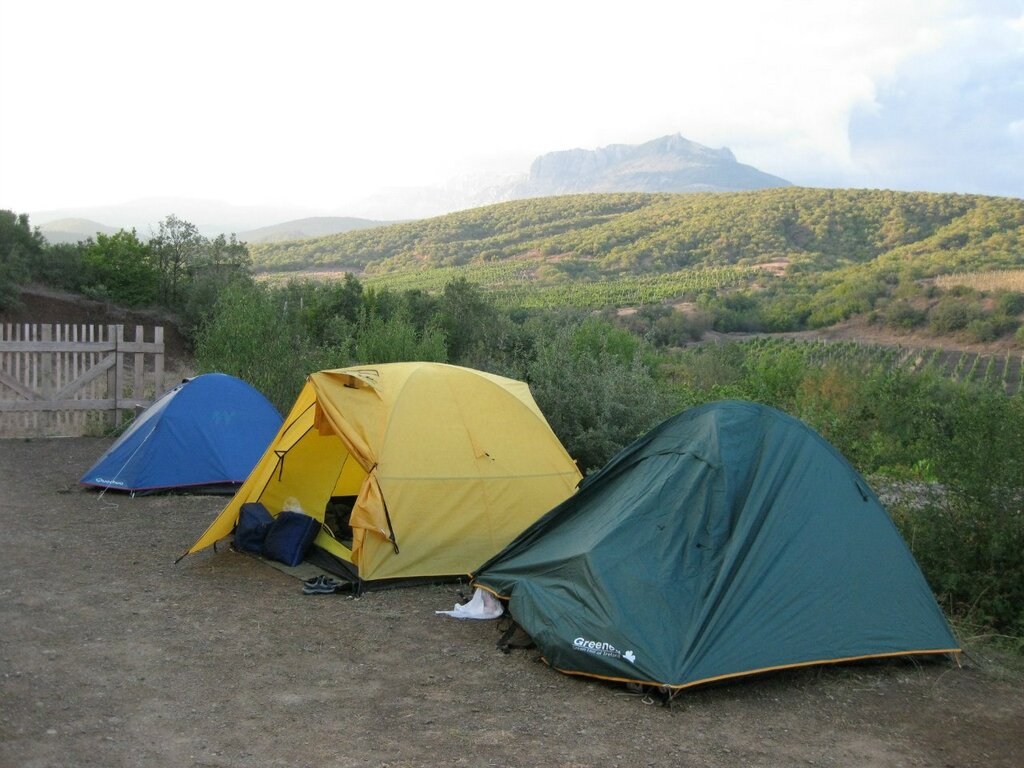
{"points": [[484, 605]]}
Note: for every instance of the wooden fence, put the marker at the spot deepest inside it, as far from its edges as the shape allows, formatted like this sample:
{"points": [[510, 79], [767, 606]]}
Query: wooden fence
{"points": [[72, 380]]}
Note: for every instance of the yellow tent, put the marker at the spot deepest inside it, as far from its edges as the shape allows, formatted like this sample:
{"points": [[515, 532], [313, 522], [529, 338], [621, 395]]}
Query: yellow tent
{"points": [[441, 467]]}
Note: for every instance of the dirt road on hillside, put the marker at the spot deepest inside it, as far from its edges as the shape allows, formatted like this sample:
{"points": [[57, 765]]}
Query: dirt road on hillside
{"points": [[111, 655]]}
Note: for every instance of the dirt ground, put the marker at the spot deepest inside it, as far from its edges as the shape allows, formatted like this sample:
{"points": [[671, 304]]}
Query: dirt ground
{"points": [[112, 655]]}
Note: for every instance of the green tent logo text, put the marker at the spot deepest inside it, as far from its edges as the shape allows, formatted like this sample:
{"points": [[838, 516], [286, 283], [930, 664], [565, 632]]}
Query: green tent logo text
{"points": [[599, 648]]}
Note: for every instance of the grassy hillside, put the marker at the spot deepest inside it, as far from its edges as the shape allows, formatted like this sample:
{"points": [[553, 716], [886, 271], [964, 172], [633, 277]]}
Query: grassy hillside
{"points": [[804, 257], [814, 228]]}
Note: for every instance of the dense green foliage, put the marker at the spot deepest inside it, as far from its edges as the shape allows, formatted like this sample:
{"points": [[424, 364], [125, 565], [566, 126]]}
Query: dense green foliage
{"points": [[613, 399], [178, 269], [119, 267], [273, 336], [20, 245]]}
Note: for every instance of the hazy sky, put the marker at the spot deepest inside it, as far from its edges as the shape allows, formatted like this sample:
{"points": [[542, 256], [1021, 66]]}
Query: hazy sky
{"points": [[318, 103]]}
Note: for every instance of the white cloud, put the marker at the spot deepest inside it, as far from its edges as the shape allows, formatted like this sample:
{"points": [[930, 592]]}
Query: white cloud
{"points": [[944, 121], [320, 102]]}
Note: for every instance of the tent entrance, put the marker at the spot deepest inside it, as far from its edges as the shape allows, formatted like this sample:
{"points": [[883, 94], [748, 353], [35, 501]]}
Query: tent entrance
{"points": [[338, 518], [318, 476]]}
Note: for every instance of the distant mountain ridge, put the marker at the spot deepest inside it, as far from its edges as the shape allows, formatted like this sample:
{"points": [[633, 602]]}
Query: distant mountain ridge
{"points": [[211, 217], [668, 164], [73, 230], [314, 226]]}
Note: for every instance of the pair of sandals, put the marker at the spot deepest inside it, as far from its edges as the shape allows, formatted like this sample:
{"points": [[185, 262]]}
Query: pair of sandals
{"points": [[320, 585]]}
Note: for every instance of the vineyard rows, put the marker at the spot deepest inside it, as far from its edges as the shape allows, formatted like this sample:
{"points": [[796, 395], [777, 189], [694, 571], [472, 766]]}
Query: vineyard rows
{"points": [[525, 284], [998, 371]]}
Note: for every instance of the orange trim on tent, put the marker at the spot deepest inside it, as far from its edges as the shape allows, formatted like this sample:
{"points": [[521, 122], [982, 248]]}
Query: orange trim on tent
{"points": [[747, 673]]}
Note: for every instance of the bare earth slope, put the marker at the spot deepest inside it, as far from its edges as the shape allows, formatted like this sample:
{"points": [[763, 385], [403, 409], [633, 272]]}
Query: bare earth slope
{"points": [[111, 655]]}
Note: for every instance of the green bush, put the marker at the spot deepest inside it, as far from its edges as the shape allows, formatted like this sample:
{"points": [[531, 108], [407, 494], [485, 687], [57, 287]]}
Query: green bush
{"points": [[395, 339], [971, 555], [903, 315], [981, 330], [953, 314], [596, 398], [1010, 303], [252, 335], [120, 268], [60, 265]]}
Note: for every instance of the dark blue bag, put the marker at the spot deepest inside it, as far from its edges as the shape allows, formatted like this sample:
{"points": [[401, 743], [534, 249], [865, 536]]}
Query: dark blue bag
{"points": [[253, 523], [290, 536]]}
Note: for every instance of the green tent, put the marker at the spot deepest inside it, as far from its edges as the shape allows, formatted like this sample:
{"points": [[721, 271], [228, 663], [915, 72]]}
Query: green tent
{"points": [[731, 539]]}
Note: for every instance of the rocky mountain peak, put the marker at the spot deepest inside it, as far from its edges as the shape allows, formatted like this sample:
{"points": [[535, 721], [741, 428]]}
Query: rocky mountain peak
{"points": [[667, 164]]}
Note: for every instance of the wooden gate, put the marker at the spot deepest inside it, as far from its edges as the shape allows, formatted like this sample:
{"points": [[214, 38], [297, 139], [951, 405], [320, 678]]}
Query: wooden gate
{"points": [[72, 380]]}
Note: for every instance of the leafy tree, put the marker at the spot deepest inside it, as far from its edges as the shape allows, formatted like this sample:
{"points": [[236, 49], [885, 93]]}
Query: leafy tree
{"points": [[465, 317], [177, 246], [20, 246], [214, 265], [62, 266], [119, 267], [422, 307], [324, 303]]}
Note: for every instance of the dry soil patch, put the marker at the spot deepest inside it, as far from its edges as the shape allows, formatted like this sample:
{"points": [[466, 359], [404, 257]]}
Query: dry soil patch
{"points": [[111, 655]]}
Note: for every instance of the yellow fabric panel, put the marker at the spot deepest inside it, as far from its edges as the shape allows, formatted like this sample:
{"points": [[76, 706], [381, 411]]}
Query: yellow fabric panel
{"points": [[448, 419], [357, 414], [369, 522], [518, 389], [351, 478], [324, 540], [306, 474], [446, 528]]}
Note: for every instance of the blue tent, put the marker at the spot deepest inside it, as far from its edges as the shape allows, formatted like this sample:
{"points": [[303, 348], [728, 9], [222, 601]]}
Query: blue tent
{"points": [[207, 432]]}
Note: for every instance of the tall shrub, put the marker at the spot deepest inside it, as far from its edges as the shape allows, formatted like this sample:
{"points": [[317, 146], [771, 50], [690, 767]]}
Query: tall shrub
{"points": [[596, 400], [395, 339], [253, 336]]}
